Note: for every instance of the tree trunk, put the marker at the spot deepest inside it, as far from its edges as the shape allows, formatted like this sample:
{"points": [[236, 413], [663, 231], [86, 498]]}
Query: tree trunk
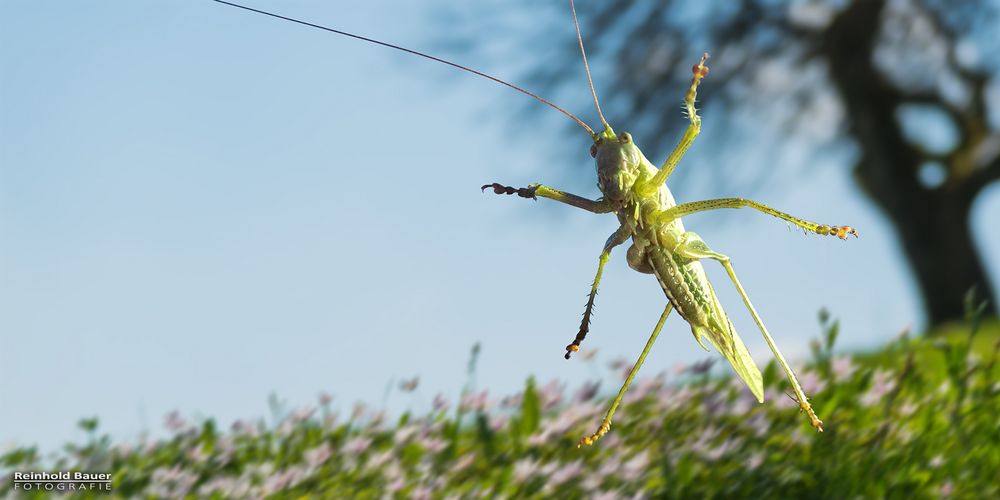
{"points": [[938, 244], [932, 224]]}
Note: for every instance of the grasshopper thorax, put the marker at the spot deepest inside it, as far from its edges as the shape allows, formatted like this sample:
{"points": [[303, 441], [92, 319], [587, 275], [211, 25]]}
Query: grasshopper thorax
{"points": [[618, 164]]}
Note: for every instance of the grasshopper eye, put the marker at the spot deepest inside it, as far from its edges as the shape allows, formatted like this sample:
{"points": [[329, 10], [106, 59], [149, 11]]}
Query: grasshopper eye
{"points": [[624, 137], [593, 151]]}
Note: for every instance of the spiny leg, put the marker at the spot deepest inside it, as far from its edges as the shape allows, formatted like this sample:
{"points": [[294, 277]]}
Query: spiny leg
{"points": [[534, 190], [700, 71], [616, 238], [693, 207], [693, 247], [606, 423]]}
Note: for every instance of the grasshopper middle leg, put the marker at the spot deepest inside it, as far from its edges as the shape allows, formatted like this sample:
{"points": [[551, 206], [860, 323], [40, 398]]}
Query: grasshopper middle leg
{"points": [[616, 238]]}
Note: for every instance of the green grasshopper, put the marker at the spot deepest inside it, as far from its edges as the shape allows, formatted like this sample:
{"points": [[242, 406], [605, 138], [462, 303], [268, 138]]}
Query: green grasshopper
{"points": [[635, 191]]}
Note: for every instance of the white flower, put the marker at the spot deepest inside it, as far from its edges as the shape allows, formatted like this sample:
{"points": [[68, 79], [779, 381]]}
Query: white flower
{"points": [[702, 367], [174, 482], [175, 423], [524, 469], [608, 495], [588, 391], [357, 445], [882, 384], [498, 422], [404, 434], [440, 403], [421, 493], [567, 472], [463, 462], [644, 387], [907, 408], [227, 487], [433, 444], [325, 398], [409, 385], [946, 489], [302, 414], [359, 411], [242, 427], [635, 466], [197, 454], [550, 394], [477, 401], [318, 455], [377, 460], [509, 402]]}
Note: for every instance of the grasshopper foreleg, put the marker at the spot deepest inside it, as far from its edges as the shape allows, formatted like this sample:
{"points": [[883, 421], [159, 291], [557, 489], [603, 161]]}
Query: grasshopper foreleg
{"points": [[699, 71], [617, 238], [606, 423], [694, 207], [693, 247], [535, 190]]}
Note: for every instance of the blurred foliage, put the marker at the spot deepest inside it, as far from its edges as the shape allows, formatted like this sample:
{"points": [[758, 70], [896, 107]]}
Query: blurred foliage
{"points": [[903, 93], [917, 419]]}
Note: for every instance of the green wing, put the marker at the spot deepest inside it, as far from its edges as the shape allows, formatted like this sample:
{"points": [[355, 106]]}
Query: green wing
{"points": [[722, 335]]}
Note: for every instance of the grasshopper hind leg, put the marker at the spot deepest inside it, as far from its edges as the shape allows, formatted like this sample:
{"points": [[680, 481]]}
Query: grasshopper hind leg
{"points": [[693, 247], [606, 423]]}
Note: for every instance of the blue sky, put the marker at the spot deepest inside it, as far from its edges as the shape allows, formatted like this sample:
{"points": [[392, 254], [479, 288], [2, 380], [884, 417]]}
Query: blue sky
{"points": [[200, 207]]}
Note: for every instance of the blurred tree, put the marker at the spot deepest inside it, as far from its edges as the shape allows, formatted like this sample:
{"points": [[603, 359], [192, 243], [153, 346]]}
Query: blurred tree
{"points": [[909, 85]]}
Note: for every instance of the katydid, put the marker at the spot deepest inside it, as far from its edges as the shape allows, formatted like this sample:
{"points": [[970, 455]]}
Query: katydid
{"points": [[635, 191]]}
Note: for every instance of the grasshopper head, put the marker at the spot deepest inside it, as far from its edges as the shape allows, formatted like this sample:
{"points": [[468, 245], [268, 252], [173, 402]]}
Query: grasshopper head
{"points": [[618, 161]]}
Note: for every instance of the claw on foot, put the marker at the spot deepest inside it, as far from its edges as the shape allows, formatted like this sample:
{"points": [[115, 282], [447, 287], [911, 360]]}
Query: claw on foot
{"points": [[838, 231], [818, 424], [700, 70], [807, 408], [528, 192], [570, 349], [591, 439], [843, 231], [813, 419]]}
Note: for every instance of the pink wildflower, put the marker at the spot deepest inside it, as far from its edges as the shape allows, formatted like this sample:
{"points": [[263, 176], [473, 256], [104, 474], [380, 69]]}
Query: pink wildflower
{"points": [[318, 455], [811, 383], [440, 403], [325, 398], [175, 423], [409, 385], [842, 368], [524, 469], [302, 414], [882, 384], [550, 394], [477, 401], [567, 472], [357, 445]]}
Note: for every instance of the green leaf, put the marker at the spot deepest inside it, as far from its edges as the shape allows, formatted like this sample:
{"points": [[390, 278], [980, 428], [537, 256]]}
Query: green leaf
{"points": [[531, 409]]}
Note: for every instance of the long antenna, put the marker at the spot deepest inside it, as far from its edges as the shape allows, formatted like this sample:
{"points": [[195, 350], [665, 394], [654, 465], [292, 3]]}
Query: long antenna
{"points": [[586, 66], [416, 53]]}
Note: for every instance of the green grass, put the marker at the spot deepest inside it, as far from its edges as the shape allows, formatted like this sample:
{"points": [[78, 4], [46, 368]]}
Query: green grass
{"points": [[931, 350], [916, 419]]}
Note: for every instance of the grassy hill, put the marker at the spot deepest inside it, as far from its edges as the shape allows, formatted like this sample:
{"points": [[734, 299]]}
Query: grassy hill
{"points": [[916, 419]]}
